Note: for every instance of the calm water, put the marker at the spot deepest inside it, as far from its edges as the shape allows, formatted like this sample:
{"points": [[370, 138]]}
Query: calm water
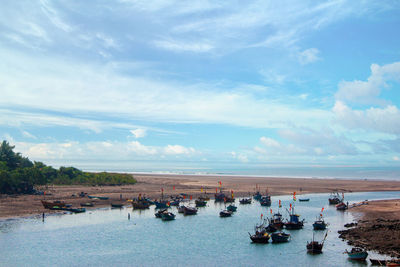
{"points": [[106, 237]]}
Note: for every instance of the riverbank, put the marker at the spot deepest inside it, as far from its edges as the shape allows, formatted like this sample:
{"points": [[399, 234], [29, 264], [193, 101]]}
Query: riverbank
{"points": [[27, 205], [377, 228]]}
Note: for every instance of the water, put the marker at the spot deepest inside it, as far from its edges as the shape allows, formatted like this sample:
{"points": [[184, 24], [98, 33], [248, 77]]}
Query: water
{"points": [[106, 237]]}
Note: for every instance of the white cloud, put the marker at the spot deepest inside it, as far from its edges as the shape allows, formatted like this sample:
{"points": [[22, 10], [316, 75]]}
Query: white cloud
{"points": [[385, 120], [183, 46], [308, 56], [368, 92], [269, 142], [178, 150], [139, 133], [28, 135], [396, 158]]}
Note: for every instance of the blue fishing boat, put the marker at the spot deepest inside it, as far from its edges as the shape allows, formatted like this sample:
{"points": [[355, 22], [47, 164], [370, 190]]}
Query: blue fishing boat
{"points": [[257, 196], [358, 254], [231, 208], [245, 201], [189, 210], [304, 199], [219, 197], [200, 203], [294, 223], [265, 201], [163, 204], [280, 237], [225, 213], [167, 216]]}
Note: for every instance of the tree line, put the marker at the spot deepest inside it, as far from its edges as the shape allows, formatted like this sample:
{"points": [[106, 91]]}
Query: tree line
{"points": [[19, 175]]}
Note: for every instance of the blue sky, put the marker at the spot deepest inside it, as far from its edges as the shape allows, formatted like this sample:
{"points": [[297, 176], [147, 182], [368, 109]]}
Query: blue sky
{"points": [[274, 83]]}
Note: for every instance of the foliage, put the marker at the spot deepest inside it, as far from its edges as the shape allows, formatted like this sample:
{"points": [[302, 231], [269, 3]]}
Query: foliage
{"points": [[19, 175]]}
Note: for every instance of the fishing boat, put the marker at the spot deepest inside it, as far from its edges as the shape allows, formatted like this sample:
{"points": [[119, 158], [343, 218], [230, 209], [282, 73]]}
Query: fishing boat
{"points": [[200, 203], [334, 199], [140, 205], [277, 221], [341, 206], [51, 204], [315, 247], [280, 237], [294, 223], [231, 208], [101, 198], [271, 228], [175, 202], [245, 201], [320, 224], [257, 196], [181, 209], [225, 213], [167, 216], [160, 212], [117, 205], [229, 199], [358, 254], [162, 204], [74, 210], [87, 204], [304, 199], [219, 197], [260, 237], [265, 201], [189, 210]]}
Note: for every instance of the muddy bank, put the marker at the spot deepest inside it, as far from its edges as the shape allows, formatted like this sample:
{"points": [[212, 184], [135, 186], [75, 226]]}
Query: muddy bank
{"points": [[378, 227]]}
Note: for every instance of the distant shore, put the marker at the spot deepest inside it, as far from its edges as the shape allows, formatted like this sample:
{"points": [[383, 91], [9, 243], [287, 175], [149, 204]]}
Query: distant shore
{"points": [[152, 184]]}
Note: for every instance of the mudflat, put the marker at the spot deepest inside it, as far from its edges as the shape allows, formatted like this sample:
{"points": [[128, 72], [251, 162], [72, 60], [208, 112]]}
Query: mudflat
{"points": [[152, 184]]}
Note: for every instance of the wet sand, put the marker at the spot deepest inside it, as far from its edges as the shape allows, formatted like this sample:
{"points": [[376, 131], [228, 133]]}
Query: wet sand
{"points": [[378, 227], [28, 205]]}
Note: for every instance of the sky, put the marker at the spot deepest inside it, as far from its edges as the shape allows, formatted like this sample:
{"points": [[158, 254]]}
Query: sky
{"points": [[201, 83]]}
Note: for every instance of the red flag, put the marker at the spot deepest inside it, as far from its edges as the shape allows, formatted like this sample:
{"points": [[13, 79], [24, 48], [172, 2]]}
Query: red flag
{"points": [[184, 196], [280, 204], [191, 197], [271, 211], [290, 205], [216, 190], [173, 188], [168, 203], [322, 209], [162, 189], [261, 216]]}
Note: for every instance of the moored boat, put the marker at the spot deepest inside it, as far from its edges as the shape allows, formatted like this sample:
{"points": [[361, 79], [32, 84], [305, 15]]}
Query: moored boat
{"points": [[117, 205], [181, 209], [315, 247], [140, 205], [162, 204], [159, 213], [294, 223], [280, 237], [265, 201], [357, 254], [101, 198], [320, 224], [51, 204], [304, 199], [200, 203], [245, 201], [231, 208], [189, 210], [260, 237], [277, 221], [342, 206], [334, 199], [167, 216], [87, 204], [74, 210], [225, 213]]}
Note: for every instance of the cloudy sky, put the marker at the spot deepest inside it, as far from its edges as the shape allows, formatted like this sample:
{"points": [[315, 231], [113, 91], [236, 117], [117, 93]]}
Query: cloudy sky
{"points": [[246, 82]]}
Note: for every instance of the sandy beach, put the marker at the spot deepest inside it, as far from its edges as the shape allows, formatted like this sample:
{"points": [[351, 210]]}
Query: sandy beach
{"points": [[28, 205]]}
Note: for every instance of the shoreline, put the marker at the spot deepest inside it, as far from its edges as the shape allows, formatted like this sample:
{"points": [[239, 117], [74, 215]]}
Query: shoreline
{"points": [[151, 185], [377, 227]]}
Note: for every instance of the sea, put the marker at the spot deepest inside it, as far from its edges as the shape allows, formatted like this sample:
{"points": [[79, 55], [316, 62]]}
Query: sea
{"points": [[106, 237]]}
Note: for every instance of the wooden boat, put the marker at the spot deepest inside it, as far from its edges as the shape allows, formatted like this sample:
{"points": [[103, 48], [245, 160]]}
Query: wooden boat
{"points": [[277, 221], [181, 209], [229, 199], [257, 196], [163, 204], [140, 205], [334, 199], [101, 198], [341, 206], [315, 247], [260, 237], [219, 197], [74, 210], [225, 213], [320, 224], [245, 201], [189, 211], [294, 223], [280, 237], [200, 203], [174, 202], [167, 216], [51, 204], [358, 254], [304, 199], [231, 208], [87, 204], [265, 201], [160, 212], [117, 205]]}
